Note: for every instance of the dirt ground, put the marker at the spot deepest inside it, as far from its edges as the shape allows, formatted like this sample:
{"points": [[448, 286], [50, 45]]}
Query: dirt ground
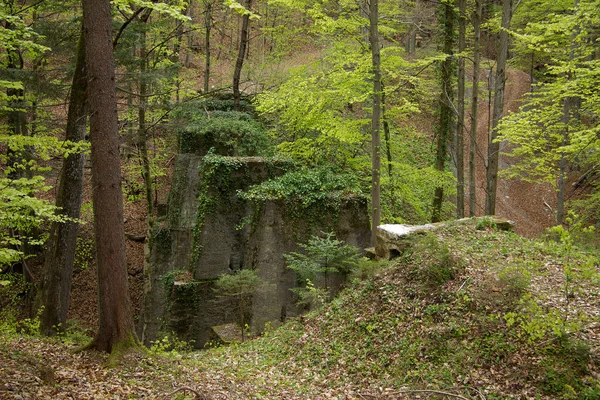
{"points": [[531, 206]]}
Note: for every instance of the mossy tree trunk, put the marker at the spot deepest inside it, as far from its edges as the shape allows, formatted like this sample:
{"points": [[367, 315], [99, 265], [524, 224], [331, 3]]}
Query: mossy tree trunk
{"points": [[207, 27], [375, 120], [476, 19], [115, 318], [446, 112], [55, 288], [500, 82], [460, 126]]}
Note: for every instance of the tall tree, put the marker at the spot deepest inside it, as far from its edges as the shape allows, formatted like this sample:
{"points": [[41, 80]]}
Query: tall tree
{"points": [[375, 128], [445, 124], [114, 307], [499, 84], [476, 19], [207, 28], [55, 288], [460, 126], [569, 107], [244, 38]]}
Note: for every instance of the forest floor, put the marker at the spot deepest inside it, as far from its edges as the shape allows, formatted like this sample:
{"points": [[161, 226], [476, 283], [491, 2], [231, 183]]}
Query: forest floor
{"points": [[468, 314]]}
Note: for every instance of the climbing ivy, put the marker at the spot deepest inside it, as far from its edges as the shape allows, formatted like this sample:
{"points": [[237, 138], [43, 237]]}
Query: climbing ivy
{"points": [[215, 188], [307, 192]]}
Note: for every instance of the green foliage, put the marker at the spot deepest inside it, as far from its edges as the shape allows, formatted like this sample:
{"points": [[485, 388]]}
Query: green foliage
{"points": [[323, 255], [12, 288], [170, 345], [21, 214], [407, 194], [433, 264], [240, 287], [74, 333], [214, 123], [177, 275], [559, 119], [311, 296], [173, 9], [240, 284], [320, 257], [85, 251], [133, 186], [485, 222], [234, 137], [306, 191]]}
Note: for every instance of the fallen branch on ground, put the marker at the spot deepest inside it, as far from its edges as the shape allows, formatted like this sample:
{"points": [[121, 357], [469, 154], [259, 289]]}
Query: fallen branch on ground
{"points": [[187, 388]]}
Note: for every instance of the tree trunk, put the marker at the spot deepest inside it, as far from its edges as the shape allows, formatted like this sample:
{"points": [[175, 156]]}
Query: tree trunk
{"points": [[114, 307], [55, 288], [376, 138], [460, 126], [446, 112], [474, 108], [142, 137], [386, 132], [240, 58], [494, 147], [207, 26], [570, 103]]}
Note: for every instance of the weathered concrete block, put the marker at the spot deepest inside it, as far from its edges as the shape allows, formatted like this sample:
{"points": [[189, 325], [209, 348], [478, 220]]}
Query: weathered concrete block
{"points": [[204, 235], [394, 239]]}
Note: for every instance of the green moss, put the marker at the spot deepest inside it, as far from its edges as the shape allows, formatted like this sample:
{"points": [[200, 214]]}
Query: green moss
{"points": [[122, 348]]}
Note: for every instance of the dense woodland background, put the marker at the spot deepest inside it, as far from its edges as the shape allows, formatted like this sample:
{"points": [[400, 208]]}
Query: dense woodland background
{"points": [[433, 109]]}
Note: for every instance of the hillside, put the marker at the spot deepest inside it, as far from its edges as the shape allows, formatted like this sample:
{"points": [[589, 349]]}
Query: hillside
{"points": [[473, 313]]}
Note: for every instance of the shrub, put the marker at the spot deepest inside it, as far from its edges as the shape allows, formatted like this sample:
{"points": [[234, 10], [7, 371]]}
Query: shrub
{"points": [[233, 137], [321, 257], [240, 287], [433, 264]]}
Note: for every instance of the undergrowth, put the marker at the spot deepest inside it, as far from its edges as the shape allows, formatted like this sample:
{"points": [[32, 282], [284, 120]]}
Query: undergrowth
{"points": [[466, 308]]}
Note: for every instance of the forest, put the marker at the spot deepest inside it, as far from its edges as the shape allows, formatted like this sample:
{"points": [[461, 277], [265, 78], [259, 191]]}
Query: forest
{"points": [[192, 198]]}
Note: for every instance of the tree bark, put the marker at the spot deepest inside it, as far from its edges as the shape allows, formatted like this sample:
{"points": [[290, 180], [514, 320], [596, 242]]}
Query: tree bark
{"points": [[460, 126], [237, 73], [474, 108], [207, 27], [446, 112], [55, 288], [386, 132], [570, 103], [494, 146], [114, 307], [142, 137], [375, 128]]}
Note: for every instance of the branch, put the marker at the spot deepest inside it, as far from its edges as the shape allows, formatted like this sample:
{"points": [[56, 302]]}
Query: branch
{"points": [[440, 392], [122, 28], [183, 389]]}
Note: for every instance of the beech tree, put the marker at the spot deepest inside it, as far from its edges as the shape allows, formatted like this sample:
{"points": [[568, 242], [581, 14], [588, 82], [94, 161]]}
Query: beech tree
{"points": [[446, 113], [114, 308], [460, 125], [55, 288], [375, 120], [476, 20], [556, 130], [243, 48], [500, 82]]}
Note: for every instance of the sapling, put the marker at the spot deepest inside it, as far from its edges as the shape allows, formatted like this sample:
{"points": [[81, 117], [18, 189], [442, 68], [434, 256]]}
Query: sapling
{"points": [[239, 287], [321, 257]]}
